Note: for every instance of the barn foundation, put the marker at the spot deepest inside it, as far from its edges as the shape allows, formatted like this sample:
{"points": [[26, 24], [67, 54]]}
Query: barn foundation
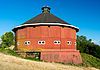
{"points": [[63, 56]]}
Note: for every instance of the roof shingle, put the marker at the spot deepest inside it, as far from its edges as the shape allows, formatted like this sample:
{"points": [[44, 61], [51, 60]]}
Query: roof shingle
{"points": [[45, 18]]}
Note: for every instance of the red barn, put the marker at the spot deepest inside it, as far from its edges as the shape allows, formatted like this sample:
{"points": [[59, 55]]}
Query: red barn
{"points": [[51, 37]]}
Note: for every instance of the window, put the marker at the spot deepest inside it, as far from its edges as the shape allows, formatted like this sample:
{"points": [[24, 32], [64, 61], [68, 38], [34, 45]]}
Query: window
{"points": [[27, 42], [69, 42], [57, 42], [75, 43], [41, 42], [18, 43]]}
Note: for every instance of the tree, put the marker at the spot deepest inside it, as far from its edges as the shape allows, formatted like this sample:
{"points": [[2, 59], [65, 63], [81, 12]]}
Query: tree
{"points": [[87, 46], [7, 39], [81, 43]]}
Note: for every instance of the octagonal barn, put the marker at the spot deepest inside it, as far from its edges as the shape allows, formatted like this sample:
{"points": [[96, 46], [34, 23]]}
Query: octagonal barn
{"points": [[51, 37]]}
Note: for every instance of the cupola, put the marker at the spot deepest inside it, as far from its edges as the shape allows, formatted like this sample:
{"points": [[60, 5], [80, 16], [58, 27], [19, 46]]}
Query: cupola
{"points": [[46, 9]]}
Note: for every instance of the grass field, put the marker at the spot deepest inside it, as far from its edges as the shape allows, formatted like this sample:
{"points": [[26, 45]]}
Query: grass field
{"points": [[9, 60]]}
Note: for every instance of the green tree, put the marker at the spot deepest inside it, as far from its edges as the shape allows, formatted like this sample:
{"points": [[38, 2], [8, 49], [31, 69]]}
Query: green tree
{"points": [[87, 46], [81, 43], [7, 39]]}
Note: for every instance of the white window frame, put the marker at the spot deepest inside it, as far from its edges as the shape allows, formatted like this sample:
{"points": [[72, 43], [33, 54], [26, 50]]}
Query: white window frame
{"points": [[75, 43], [69, 43], [57, 42], [27, 42], [18, 43], [40, 42]]}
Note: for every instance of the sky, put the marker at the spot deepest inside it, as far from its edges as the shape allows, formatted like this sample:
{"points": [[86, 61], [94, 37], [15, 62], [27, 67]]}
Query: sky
{"points": [[84, 14]]}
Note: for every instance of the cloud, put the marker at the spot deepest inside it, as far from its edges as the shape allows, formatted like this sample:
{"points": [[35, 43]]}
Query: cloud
{"points": [[96, 42]]}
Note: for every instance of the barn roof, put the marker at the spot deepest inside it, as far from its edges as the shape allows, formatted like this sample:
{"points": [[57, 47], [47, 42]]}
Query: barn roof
{"points": [[46, 18]]}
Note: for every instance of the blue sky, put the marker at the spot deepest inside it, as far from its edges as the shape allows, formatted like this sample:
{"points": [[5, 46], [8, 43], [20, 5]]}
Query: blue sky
{"points": [[84, 14]]}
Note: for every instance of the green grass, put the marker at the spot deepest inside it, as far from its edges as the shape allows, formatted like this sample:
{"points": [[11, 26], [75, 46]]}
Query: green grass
{"points": [[89, 60], [8, 52]]}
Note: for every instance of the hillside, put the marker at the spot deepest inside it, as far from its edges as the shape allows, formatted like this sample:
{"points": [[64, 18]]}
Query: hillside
{"points": [[89, 60], [8, 62]]}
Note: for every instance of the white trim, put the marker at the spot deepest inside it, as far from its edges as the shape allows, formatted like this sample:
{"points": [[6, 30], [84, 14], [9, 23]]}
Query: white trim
{"points": [[47, 24]]}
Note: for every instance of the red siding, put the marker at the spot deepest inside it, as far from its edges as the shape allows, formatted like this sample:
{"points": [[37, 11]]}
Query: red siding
{"points": [[44, 31], [54, 31], [48, 34]]}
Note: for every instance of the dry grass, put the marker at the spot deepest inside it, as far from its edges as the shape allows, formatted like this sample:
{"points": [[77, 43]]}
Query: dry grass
{"points": [[14, 63]]}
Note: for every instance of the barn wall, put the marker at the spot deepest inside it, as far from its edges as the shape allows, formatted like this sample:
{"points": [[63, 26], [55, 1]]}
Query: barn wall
{"points": [[48, 34]]}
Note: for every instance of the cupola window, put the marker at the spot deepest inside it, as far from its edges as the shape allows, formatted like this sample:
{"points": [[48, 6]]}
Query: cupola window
{"points": [[27, 42], [57, 42], [41, 42], [69, 42]]}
